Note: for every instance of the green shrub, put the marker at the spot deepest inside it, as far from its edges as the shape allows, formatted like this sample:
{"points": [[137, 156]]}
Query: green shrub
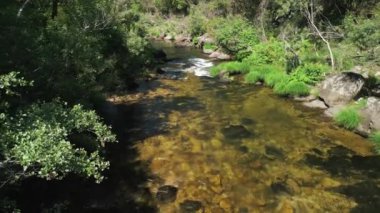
{"points": [[270, 52], [233, 67], [197, 23], [310, 73], [348, 117], [234, 34], [292, 88]]}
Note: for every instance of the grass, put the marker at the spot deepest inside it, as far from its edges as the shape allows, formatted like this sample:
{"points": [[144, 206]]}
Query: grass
{"points": [[233, 67], [273, 78], [253, 77], [292, 88], [348, 117]]}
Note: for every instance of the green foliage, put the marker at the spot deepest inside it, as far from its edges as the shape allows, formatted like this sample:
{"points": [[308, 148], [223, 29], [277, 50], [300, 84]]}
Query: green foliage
{"points": [[363, 32], [270, 52], [310, 73], [197, 24], [273, 78], [233, 67], [37, 138], [349, 116], [235, 35], [253, 77], [209, 46], [167, 6]]}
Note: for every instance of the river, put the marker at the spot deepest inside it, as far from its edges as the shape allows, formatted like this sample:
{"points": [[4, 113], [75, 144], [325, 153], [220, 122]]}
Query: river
{"points": [[189, 143]]}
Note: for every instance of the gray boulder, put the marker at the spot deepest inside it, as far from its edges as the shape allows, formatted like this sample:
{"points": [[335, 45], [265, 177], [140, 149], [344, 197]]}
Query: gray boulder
{"points": [[370, 115], [220, 55], [340, 89]]}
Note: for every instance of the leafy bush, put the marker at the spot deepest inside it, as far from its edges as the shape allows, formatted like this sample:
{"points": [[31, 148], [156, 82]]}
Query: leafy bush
{"points": [[233, 67], [292, 88], [167, 6], [235, 35], [197, 24], [310, 73], [270, 52]]}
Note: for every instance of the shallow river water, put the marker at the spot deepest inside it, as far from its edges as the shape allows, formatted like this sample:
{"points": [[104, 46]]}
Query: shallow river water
{"points": [[194, 144]]}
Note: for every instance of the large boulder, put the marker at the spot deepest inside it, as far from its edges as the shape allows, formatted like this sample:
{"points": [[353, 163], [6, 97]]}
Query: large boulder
{"points": [[370, 115], [340, 89], [220, 55]]}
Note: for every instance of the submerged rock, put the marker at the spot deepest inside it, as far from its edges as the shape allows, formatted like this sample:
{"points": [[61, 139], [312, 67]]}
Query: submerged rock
{"points": [[289, 186], [190, 206], [236, 132], [167, 194], [316, 104], [341, 88], [273, 152]]}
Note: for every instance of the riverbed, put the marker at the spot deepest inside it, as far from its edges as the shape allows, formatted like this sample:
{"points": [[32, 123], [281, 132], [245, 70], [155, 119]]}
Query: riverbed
{"points": [[189, 143]]}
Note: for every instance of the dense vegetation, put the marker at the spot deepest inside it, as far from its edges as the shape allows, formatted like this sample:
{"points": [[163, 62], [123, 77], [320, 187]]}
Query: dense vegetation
{"points": [[301, 40], [56, 60], [48, 49]]}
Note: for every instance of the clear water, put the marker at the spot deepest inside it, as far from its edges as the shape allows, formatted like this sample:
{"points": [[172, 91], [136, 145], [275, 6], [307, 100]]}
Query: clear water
{"points": [[232, 147]]}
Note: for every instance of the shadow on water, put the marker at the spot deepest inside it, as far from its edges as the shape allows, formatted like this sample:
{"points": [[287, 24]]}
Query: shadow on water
{"points": [[364, 170], [125, 187]]}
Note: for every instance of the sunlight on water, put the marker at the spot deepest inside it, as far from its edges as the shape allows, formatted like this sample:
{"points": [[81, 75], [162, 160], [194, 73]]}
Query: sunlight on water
{"points": [[215, 147]]}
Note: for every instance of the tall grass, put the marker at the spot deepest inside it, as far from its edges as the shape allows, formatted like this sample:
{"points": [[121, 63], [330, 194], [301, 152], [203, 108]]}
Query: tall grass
{"points": [[233, 67]]}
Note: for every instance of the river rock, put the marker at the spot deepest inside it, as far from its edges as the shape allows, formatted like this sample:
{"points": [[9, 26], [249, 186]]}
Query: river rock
{"points": [[370, 115], [316, 104], [273, 152], [220, 55], [205, 39], [339, 89], [190, 206], [167, 194], [375, 91], [236, 132], [169, 38]]}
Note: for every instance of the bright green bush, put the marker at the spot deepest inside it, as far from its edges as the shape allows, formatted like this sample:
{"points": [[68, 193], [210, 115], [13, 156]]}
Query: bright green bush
{"points": [[292, 88], [270, 52], [310, 73], [233, 67], [348, 117], [235, 35], [197, 23]]}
